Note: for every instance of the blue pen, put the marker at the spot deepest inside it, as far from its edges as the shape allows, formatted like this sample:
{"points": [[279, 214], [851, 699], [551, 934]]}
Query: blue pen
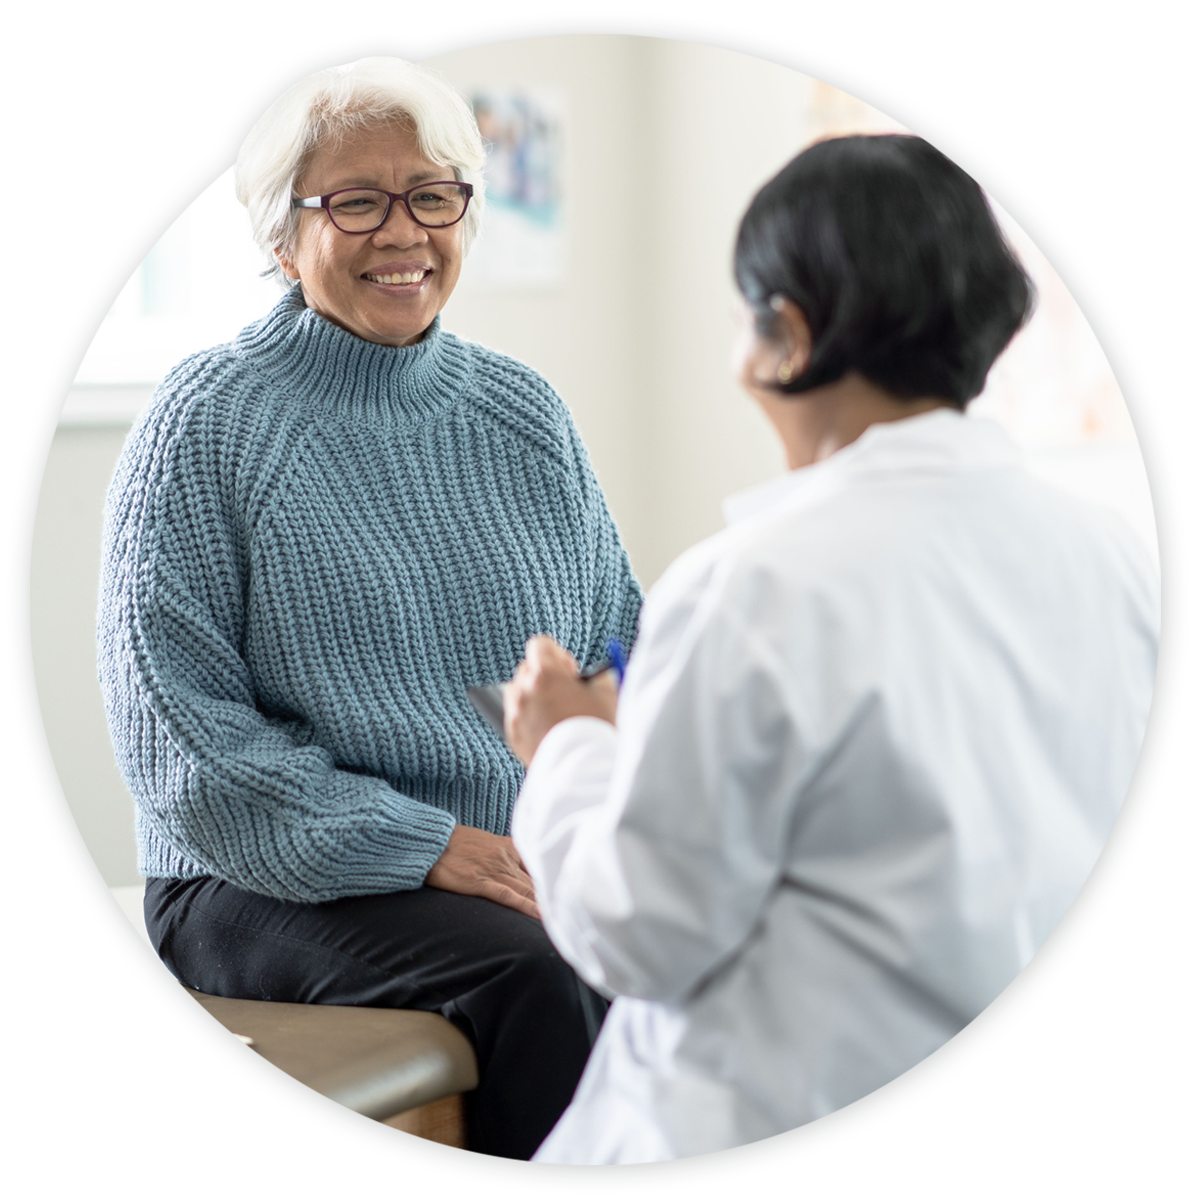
{"points": [[616, 656], [614, 660]]}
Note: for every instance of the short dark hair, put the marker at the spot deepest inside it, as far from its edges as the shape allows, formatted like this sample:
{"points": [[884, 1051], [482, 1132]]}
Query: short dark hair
{"points": [[895, 258]]}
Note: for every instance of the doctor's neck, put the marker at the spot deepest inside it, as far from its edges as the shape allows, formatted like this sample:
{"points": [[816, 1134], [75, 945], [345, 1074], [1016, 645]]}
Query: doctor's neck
{"points": [[817, 423]]}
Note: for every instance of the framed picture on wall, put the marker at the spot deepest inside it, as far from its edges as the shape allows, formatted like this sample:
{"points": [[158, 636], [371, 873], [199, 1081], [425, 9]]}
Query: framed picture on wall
{"points": [[524, 243]]}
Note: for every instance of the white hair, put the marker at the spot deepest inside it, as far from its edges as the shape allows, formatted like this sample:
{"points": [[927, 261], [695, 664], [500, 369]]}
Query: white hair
{"points": [[324, 108]]}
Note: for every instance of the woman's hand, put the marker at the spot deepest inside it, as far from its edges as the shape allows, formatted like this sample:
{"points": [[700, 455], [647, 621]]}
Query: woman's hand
{"points": [[546, 689], [476, 863]]}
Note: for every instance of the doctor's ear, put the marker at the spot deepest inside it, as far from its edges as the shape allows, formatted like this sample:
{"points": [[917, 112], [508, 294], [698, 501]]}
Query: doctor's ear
{"points": [[794, 338]]}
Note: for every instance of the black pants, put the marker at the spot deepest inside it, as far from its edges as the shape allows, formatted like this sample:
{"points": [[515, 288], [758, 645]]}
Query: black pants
{"points": [[488, 969]]}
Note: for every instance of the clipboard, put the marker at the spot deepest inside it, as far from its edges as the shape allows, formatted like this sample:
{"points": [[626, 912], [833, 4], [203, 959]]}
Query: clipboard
{"points": [[489, 704]]}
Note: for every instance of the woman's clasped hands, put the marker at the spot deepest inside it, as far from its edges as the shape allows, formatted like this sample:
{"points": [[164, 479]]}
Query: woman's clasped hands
{"points": [[478, 863]]}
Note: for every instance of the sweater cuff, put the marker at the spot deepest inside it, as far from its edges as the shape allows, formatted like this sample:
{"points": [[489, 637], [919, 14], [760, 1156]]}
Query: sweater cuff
{"points": [[390, 848]]}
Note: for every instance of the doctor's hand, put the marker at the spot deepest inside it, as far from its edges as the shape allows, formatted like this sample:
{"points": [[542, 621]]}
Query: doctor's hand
{"points": [[478, 863], [546, 689]]}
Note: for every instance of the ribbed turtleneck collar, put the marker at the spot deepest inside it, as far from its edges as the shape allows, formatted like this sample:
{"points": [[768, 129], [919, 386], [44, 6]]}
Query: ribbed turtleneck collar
{"points": [[301, 352]]}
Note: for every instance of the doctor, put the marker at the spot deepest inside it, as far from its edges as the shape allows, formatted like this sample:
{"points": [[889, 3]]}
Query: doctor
{"points": [[873, 736]]}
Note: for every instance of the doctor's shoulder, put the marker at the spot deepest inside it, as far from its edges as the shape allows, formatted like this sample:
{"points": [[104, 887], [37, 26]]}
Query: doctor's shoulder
{"points": [[712, 592], [783, 541], [687, 587], [1095, 542]]}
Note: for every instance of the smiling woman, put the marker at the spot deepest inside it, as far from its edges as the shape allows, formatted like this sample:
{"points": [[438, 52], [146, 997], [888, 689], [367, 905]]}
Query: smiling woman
{"points": [[318, 536], [383, 282]]}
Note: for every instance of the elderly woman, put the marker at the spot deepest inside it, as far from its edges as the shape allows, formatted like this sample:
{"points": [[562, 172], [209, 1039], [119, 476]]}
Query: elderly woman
{"points": [[872, 736], [318, 536]]}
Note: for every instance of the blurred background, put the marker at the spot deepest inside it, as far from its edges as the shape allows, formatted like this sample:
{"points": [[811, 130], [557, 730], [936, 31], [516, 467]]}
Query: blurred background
{"points": [[622, 305]]}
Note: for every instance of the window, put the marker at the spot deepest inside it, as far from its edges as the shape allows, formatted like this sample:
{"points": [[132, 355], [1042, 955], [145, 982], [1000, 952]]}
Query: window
{"points": [[115, 120]]}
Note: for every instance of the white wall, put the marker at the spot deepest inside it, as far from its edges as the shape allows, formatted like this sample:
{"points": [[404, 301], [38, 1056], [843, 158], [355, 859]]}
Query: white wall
{"points": [[64, 573], [64, 576]]}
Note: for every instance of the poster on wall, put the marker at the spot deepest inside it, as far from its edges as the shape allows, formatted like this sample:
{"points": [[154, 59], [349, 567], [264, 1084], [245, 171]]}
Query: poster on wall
{"points": [[523, 243]]}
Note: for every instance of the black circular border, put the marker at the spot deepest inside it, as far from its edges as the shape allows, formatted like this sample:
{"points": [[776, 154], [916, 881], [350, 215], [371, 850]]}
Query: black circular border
{"points": [[729, 1167]]}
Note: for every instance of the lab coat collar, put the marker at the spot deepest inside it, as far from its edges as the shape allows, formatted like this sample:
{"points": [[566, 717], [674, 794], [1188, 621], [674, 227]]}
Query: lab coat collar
{"points": [[936, 442]]}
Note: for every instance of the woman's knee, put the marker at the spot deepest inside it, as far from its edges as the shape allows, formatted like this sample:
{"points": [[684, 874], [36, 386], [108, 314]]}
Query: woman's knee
{"points": [[542, 970]]}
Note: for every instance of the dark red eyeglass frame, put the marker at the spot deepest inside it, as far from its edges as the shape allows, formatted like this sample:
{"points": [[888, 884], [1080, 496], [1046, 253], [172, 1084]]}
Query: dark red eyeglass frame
{"points": [[323, 202]]}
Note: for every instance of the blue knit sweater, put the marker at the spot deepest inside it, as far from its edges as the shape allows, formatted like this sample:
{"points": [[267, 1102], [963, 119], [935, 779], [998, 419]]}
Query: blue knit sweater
{"points": [[313, 544]]}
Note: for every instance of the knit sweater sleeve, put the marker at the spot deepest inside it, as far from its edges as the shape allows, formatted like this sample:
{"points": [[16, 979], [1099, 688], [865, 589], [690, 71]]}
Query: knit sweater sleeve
{"points": [[521, 400], [226, 789], [617, 594]]}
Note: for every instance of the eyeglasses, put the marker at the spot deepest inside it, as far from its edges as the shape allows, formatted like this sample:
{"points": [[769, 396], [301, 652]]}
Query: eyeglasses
{"points": [[363, 210]]}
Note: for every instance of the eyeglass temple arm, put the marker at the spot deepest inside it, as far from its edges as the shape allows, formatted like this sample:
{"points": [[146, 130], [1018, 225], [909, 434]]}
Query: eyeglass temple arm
{"points": [[308, 202]]}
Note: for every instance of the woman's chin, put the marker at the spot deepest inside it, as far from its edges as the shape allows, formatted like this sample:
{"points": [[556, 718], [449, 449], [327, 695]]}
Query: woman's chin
{"points": [[399, 314]]}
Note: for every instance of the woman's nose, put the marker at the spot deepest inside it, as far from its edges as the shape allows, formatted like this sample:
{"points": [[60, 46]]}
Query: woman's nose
{"points": [[400, 229]]}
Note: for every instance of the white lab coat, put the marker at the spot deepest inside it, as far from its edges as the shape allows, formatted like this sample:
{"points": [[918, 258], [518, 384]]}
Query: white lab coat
{"points": [[870, 743]]}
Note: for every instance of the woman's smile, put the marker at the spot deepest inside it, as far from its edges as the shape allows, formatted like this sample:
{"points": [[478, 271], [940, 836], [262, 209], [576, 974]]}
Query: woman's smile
{"points": [[396, 276]]}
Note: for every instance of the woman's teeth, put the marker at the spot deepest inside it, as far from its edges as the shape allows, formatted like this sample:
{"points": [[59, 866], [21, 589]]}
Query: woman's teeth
{"points": [[405, 277]]}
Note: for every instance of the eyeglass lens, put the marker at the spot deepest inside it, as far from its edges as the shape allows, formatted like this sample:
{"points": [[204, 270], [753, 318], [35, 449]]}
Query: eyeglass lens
{"points": [[359, 210]]}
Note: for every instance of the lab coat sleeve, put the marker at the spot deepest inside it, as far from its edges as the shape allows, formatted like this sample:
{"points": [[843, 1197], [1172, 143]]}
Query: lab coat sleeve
{"points": [[654, 845]]}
